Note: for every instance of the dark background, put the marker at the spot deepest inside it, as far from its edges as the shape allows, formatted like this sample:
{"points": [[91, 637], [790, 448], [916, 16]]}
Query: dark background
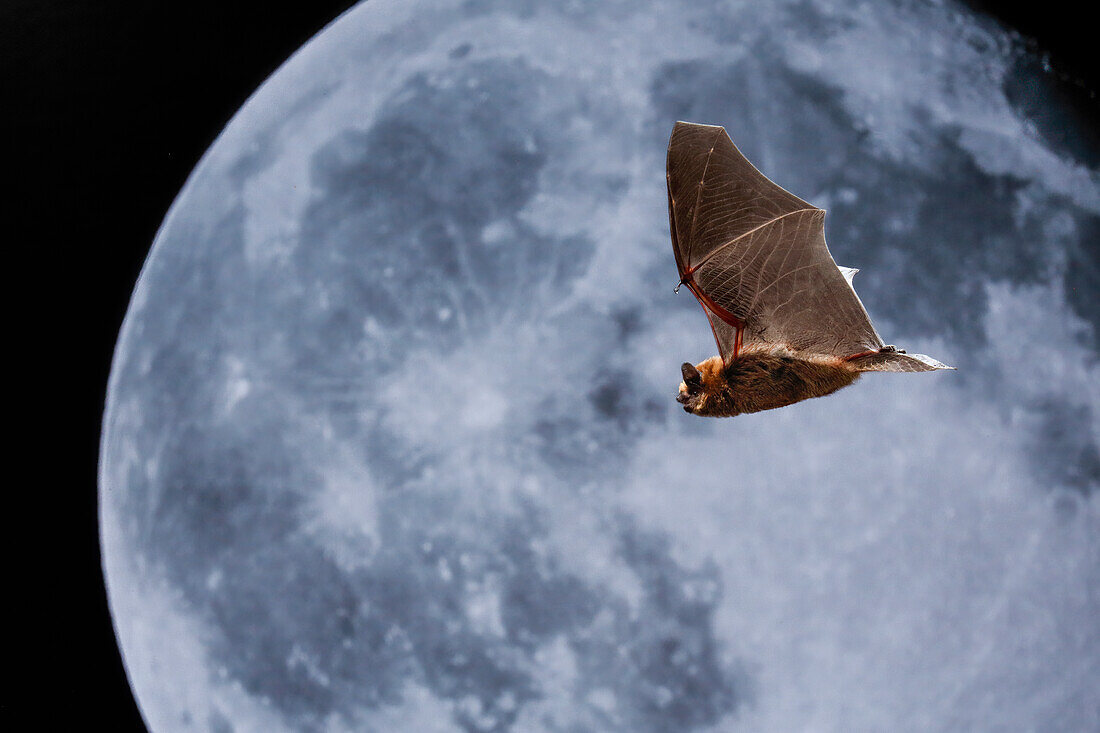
{"points": [[110, 105]]}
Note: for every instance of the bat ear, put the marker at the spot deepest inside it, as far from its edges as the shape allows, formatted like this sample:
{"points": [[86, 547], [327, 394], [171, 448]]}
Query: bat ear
{"points": [[691, 375]]}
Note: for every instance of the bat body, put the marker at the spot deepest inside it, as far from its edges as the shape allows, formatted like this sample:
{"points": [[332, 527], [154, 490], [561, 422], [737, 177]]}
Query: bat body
{"points": [[788, 324], [759, 380]]}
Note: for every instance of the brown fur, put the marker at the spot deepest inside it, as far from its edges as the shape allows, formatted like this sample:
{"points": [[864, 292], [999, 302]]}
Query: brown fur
{"points": [[763, 380]]}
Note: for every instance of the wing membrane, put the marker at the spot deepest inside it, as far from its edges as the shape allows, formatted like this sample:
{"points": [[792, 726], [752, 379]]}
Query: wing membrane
{"points": [[755, 254], [897, 361]]}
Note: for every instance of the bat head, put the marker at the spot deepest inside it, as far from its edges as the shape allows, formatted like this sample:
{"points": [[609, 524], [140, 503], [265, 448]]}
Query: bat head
{"points": [[691, 389]]}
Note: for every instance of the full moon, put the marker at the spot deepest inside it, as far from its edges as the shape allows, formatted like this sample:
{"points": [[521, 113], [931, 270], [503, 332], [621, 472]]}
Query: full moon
{"points": [[391, 441]]}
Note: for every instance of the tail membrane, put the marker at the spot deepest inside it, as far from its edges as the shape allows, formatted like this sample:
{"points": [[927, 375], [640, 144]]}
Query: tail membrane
{"points": [[896, 361]]}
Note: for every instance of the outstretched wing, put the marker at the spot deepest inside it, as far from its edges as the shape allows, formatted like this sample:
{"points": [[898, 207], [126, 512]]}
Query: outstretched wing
{"points": [[755, 255]]}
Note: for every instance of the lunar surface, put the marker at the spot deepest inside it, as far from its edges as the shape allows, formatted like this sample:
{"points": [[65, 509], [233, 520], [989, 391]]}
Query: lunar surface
{"points": [[391, 441]]}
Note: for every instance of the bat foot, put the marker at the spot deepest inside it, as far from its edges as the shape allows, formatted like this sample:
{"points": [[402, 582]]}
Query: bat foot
{"points": [[891, 349]]}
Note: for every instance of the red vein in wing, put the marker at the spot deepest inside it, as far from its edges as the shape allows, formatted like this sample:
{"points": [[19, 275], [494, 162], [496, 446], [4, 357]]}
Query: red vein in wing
{"points": [[707, 302], [713, 332]]}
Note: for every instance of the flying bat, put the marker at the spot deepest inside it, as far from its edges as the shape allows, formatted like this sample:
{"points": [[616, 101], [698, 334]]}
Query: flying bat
{"points": [[787, 320]]}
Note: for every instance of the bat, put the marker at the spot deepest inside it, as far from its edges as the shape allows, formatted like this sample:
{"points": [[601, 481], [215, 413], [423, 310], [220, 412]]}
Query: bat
{"points": [[788, 323]]}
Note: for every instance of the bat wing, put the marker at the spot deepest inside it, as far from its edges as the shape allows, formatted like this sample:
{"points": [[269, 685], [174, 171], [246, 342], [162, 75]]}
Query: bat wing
{"points": [[755, 255]]}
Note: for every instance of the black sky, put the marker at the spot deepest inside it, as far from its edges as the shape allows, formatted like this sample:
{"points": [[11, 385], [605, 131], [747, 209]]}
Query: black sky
{"points": [[110, 104]]}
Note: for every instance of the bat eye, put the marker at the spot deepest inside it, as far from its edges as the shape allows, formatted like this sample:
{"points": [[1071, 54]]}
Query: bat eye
{"points": [[691, 375]]}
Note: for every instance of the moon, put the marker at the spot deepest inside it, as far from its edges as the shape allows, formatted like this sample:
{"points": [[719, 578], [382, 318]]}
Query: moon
{"points": [[391, 440]]}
